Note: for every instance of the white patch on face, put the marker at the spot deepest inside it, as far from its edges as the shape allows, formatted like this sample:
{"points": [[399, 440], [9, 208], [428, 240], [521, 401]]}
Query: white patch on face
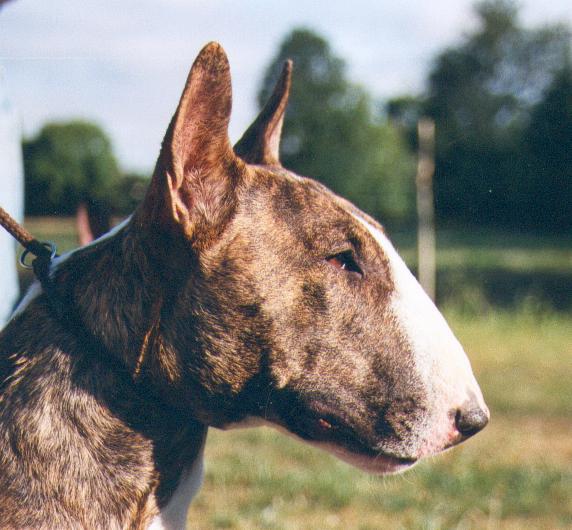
{"points": [[174, 515], [440, 360]]}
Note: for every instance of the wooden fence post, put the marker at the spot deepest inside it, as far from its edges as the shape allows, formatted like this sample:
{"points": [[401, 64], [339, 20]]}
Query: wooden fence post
{"points": [[425, 206]]}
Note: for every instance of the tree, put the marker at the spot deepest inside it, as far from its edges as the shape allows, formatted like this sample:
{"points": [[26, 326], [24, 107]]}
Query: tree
{"points": [[127, 193], [548, 142], [481, 94], [332, 133], [65, 164], [405, 111]]}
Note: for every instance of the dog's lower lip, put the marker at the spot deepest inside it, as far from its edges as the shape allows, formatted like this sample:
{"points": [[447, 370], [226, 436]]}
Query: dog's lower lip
{"points": [[319, 423], [387, 463], [377, 462]]}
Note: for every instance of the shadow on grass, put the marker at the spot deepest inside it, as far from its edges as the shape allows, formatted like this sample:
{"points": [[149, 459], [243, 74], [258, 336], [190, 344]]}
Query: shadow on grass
{"points": [[477, 289]]}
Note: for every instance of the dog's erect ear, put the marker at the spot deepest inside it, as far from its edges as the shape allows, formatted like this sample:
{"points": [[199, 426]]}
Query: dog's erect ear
{"points": [[261, 142], [197, 171]]}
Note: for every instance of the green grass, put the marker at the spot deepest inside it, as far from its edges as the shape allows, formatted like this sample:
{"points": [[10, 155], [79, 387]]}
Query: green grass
{"points": [[59, 230], [525, 360], [480, 270], [515, 474], [473, 248]]}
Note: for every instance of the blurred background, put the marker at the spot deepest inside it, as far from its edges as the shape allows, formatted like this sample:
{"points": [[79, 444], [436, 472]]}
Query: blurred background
{"points": [[86, 93]]}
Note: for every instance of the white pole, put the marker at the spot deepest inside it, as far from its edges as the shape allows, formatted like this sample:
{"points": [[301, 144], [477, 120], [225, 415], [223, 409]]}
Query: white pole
{"points": [[11, 198]]}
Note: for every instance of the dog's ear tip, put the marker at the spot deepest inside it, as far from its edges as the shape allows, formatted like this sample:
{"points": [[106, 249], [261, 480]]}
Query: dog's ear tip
{"points": [[286, 72], [286, 75], [212, 48], [285, 80], [261, 142], [212, 55]]}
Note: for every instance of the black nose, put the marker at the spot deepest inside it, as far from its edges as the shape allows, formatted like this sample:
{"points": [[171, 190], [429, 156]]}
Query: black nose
{"points": [[470, 420]]}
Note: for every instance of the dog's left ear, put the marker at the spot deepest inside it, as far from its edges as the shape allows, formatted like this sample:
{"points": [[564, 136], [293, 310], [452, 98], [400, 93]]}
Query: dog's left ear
{"points": [[195, 179], [260, 144]]}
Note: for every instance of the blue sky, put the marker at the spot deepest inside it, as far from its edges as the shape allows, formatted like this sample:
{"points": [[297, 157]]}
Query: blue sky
{"points": [[123, 63]]}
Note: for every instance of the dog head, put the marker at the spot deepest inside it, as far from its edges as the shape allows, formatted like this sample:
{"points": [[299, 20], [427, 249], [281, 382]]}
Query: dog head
{"points": [[288, 303]]}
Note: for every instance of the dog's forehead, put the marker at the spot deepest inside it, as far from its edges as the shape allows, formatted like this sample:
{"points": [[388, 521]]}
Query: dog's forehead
{"points": [[309, 209], [300, 220]]}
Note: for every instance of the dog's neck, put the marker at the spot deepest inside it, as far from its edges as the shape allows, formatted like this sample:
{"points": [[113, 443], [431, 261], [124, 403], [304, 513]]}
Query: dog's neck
{"points": [[83, 418]]}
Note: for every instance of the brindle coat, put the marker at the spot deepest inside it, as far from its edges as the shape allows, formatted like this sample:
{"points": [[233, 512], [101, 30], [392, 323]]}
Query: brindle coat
{"points": [[236, 290]]}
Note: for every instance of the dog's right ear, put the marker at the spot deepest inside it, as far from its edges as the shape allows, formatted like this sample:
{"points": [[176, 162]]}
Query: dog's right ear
{"points": [[260, 144], [193, 185]]}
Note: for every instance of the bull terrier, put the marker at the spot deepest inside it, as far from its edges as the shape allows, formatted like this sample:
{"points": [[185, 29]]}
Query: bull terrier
{"points": [[237, 292]]}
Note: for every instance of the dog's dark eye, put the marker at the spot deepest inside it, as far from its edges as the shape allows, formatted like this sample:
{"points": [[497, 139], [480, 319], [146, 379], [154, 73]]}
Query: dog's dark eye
{"points": [[344, 261]]}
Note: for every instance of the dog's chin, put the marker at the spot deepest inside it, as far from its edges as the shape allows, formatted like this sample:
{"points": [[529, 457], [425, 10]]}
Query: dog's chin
{"points": [[380, 464], [377, 463]]}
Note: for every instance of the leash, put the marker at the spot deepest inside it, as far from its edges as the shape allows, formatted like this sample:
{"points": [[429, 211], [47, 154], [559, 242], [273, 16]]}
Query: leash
{"points": [[43, 250], [44, 253]]}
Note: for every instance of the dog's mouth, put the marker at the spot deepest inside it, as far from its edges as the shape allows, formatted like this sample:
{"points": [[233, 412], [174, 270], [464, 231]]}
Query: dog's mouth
{"points": [[316, 423]]}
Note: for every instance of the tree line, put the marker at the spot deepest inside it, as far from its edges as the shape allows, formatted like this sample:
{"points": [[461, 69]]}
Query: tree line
{"points": [[501, 99], [502, 103], [70, 163]]}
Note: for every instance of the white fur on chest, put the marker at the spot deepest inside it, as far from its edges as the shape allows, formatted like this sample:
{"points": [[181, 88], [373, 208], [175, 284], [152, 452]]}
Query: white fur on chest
{"points": [[174, 515]]}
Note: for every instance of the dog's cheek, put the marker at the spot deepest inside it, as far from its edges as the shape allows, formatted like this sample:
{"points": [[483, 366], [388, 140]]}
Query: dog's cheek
{"points": [[235, 346]]}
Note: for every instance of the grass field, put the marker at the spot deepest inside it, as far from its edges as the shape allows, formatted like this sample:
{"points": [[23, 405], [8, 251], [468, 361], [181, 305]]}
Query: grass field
{"points": [[517, 474]]}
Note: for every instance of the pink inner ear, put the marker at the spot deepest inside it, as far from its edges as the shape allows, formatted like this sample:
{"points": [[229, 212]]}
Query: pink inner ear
{"points": [[197, 170]]}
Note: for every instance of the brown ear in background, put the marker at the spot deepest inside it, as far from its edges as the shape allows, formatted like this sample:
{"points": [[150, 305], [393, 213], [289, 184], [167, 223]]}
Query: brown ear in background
{"points": [[197, 170], [260, 144]]}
